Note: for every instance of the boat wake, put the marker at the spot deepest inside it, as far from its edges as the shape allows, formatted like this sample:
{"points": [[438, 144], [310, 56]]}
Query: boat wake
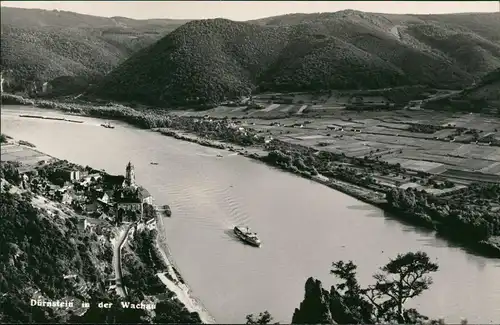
{"points": [[236, 215]]}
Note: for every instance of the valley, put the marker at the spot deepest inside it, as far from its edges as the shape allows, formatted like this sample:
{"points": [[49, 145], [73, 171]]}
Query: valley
{"points": [[361, 134]]}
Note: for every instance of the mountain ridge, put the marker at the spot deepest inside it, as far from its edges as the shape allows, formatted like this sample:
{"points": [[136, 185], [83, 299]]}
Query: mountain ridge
{"points": [[222, 59], [41, 45], [169, 62]]}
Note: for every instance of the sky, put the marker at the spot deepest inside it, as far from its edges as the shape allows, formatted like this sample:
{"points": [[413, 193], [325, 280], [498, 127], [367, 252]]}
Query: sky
{"points": [[247, 10]]}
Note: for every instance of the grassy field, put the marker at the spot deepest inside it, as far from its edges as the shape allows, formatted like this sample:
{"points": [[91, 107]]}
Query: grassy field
{"points": [[28, 157]]}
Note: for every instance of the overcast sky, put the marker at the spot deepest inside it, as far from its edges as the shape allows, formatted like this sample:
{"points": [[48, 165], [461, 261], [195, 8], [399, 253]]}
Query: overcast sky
{"points": [[246, 10]]}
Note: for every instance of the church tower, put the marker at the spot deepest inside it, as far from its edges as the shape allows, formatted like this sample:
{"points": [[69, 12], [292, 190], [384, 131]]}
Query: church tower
{"points": [[130, 175]]}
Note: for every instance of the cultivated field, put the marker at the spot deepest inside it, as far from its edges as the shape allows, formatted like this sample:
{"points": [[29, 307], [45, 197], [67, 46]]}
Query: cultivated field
{"points": [[28, 157], [323, 123]]}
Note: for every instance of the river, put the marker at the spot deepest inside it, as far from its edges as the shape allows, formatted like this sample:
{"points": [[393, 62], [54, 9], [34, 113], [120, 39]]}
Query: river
{"points": [[304, 226]]}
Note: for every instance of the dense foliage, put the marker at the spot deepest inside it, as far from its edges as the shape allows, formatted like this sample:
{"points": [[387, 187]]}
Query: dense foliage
{"points": [[468, 216], [304, 161], [384, 302], [204, 62], [487, 89], [38, 249], [42, 45], [480, 97]]}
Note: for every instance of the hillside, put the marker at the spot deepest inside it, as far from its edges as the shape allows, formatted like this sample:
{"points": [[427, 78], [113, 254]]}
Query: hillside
{"points": [[204, 62], [481, 97], [49, 254], [487, 89], [42, 45], [39, 248]]}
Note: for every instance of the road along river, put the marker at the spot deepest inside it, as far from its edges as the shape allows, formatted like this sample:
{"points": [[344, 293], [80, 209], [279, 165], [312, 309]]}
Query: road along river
{"points": [[304, 226]]}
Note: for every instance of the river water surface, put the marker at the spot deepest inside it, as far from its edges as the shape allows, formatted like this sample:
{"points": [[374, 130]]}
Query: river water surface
{"points": [[304, 226]]}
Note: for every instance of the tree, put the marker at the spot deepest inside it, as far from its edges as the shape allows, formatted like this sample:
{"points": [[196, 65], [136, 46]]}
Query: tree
{"points": [[400, 280], [263, 318]]}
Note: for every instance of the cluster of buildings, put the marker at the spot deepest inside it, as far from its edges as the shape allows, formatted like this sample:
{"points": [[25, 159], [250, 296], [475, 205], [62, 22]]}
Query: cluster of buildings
{"points": [[99, 195]]}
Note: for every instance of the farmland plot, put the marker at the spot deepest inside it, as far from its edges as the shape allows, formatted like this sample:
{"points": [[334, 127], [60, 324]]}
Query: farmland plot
{"points": [[420, 165], [237, 109], [434, 158], [463, 121], [343, 123], [287, 108], [397, 141], [301, 109], [23, 155], [485, 124], [11, 148], [311, 137], [444, 133], [396, 126], [494, 168], [379, 129], [475, 151], [495, 155], [332, 107], [472, 176], [464, 137], [445, 191], [270, 108], [410, 163], [476, 164]]}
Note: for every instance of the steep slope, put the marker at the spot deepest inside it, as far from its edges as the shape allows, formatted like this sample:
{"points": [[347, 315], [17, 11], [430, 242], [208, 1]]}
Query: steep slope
{"points": [[47, 255], [481, 97], [201, 62], [204, 62], [39, 248], [42, 45], [473, 53], [488, 89]]}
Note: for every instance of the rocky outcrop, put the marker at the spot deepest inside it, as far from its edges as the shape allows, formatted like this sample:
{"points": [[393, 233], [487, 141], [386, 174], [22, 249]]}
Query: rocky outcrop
{"points": [[339, 311], [322, 307], [315, 308]]}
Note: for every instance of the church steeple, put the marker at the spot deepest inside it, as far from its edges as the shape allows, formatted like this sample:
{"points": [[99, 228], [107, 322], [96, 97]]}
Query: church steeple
{"points": [[130, 175]]}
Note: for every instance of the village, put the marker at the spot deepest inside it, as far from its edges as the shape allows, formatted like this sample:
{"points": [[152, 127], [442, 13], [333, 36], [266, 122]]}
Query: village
{"points": [[111, 209], [98, 197]]}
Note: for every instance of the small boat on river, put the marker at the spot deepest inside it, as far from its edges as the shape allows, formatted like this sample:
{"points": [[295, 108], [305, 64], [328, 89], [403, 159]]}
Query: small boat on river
{"points": [[107, 125], [167, 210], [246, 235], [153, 163]]}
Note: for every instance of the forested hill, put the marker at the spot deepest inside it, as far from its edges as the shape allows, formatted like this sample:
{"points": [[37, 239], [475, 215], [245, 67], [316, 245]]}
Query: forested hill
{"points": [[488, 89], [41, 45], [205, 61], [485, 95]]}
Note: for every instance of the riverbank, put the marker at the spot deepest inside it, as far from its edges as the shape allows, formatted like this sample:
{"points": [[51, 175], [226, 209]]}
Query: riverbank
{"points": [[173, 281], [30, 176], [259, 154], [352, 176], [489, 247]]}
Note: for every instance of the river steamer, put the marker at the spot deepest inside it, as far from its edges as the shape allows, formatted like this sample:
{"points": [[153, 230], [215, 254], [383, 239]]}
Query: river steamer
{"points": [[246, 235]]}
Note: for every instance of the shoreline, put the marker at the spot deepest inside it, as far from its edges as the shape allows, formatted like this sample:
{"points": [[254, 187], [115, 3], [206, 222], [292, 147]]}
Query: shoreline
{"points": [[362, 194], [178, 286], [484, 248], [158, 123]]}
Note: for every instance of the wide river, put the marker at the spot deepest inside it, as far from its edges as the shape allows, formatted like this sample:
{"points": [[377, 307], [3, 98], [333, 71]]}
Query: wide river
{"points": [[304, 226]]}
